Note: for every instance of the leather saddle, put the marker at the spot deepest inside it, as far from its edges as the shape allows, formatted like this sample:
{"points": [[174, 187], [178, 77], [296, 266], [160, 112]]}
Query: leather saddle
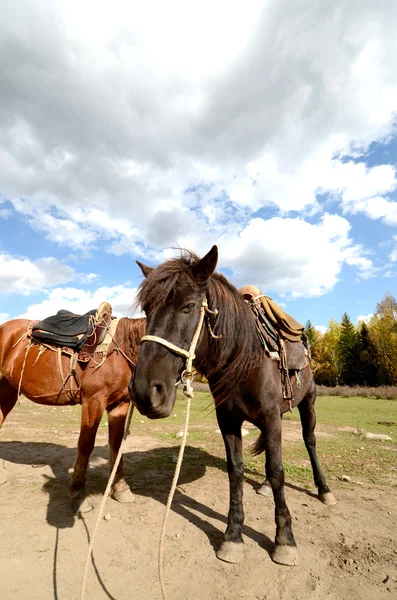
{"points": [[278, 331], [81, 333], [282, 338], [297, 355]]}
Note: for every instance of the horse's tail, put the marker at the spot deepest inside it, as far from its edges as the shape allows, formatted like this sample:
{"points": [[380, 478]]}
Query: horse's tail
{"points": [[259, 446]]}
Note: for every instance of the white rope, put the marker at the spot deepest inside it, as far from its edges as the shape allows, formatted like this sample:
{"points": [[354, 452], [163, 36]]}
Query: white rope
{"points": [[187, 375], [104, 499], [28, 347], [169, 501], [186, 378], [167, 344]]}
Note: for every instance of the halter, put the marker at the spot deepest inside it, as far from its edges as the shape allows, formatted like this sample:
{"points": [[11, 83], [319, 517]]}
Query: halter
{"points": [[187, 374]]}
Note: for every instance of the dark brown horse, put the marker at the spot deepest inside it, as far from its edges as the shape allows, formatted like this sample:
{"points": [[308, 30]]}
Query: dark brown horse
{"points": [[245, 383], [40, 379]]}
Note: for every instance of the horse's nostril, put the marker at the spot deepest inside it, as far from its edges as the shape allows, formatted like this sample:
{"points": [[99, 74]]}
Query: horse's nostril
{"points": [[158, 392]]}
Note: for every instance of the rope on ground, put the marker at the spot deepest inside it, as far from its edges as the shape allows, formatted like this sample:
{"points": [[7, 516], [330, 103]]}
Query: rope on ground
{"points": [[169, 501], [104, 499]]}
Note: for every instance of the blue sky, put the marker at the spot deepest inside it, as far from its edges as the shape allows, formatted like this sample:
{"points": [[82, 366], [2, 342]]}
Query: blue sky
{"points": [[272, 134]]}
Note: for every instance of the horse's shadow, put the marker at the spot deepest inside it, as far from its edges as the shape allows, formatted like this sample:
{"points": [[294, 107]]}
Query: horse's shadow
{"points": [[149, 472]]}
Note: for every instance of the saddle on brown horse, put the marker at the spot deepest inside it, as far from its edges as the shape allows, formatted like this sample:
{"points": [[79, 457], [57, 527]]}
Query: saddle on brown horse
{"points": [[77, 336], [81, 333], [281, 336]]}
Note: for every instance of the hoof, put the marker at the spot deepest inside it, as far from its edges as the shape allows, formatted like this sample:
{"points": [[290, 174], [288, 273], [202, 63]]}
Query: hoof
{"points": [[123, 496], [231, 552], [81, 505], [328, 499], [265, 490], [285, 555]]}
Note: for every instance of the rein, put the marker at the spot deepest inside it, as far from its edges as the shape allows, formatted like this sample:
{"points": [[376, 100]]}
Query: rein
{"points": [[186, 379]]}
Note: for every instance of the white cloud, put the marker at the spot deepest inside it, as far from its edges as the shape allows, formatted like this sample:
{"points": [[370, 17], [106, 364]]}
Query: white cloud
{"points": [[393, 254], [364, 318], [292, 256], [79, 301], [5, 213], [3, 317], [321, 328], [89, 277], [249, 106], [24, 276]]}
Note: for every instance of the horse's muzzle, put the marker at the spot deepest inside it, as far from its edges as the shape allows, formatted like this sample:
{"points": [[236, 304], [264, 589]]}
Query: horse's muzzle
{"points": [[153, 402]]}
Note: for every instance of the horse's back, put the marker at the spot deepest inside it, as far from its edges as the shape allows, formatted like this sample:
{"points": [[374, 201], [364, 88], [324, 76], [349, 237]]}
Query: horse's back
{"points": [[14, 324]]}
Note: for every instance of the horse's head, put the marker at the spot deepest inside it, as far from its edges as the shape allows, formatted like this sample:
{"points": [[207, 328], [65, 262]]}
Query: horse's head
{"points": [[173, 297]]}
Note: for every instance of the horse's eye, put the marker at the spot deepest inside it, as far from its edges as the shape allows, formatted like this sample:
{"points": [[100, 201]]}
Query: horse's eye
{"points": [[187, 308]]}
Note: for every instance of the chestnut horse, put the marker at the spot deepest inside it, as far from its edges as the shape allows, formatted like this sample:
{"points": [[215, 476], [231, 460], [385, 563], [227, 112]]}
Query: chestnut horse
{"points": [[244, 381], [41, 381]]}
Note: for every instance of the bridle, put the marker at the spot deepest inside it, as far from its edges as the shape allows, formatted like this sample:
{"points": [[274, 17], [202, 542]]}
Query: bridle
{"points": [[187, 374]]}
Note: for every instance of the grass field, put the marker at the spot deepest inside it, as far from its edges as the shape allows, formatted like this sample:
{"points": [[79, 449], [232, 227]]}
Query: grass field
{"points": [[341, 445], [344, 450]]}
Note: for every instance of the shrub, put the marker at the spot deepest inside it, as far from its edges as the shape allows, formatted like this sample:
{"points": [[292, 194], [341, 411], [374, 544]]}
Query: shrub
{"points": [[386, 392]]}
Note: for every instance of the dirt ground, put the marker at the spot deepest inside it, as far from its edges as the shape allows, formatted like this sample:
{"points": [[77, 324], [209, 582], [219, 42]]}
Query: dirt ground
{"points": [[348, 551]]}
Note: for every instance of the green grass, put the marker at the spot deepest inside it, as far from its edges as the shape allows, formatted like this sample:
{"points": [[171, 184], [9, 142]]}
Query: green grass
{"points": [[357, 412], [344, 452]]}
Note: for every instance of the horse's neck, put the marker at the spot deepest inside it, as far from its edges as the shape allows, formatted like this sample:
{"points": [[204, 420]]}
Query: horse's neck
{"points": [[131, 332], [233, 357]]}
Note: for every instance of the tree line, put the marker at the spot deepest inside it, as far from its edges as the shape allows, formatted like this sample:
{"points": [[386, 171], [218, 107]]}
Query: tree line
{"points": [[365, 355]]}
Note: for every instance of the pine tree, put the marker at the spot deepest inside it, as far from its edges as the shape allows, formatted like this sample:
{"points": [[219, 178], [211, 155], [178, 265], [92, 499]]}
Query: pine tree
{"points": [[312, 336], [349, 344], [369, 363]]}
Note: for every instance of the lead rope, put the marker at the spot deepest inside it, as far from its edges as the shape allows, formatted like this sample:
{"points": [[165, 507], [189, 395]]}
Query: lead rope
{"points": [[107, 490], [189, 394], [105, 497], [186, 379]]}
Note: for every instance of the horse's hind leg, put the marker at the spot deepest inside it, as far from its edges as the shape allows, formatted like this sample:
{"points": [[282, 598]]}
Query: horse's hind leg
{"points": [[8, 398], [91, 413], [117, 415], [308, 420]]}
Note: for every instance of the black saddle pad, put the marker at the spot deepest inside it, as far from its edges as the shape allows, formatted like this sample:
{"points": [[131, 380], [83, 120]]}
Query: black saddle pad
{"points": [[65, 329]]}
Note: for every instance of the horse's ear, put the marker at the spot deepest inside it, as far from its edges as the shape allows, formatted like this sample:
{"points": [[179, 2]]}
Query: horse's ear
{"points": [[144, 268], [206, 266]]}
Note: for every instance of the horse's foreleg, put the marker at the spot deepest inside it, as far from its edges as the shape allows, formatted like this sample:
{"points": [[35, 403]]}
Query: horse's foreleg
{"points": [[117, 415], [266, 489], [8, 398], [91, 414], [232, 547], [308, 420], [285, 552]]}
